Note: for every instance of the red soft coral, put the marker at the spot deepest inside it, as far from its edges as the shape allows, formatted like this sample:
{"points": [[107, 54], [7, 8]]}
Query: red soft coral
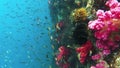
{"points": [[84, 51], [63, 52]]}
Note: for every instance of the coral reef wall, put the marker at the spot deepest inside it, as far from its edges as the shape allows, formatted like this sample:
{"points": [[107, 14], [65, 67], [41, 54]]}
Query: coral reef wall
{"points": [[87, 33]]}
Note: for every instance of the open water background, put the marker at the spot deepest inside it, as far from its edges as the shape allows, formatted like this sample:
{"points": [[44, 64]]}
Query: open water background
{"points": [[24, 34]]}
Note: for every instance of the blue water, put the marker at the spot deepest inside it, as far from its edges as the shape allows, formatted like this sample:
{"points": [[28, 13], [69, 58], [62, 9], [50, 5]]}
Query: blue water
{"points": [[24, 34]]}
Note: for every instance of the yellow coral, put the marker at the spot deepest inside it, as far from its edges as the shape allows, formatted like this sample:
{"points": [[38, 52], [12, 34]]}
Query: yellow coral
{"points": [[80, 14]]}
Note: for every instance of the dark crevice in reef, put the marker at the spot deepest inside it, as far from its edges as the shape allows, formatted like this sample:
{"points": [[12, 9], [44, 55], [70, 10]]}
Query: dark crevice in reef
{"points": [[80, 33]]}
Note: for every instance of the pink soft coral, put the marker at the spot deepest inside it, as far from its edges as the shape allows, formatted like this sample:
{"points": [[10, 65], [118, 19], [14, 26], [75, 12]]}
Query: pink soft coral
{"points": [[101, 64], [112, 3], [106, 30], [106, 52], [96, 57], [96, 25], [107, 27]]}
